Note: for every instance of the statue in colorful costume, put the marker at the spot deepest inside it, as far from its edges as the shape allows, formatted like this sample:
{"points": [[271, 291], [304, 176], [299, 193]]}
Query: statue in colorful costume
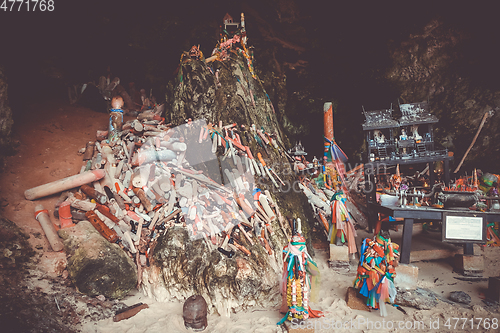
{"points": [[376, 272], [341, 226], [300, 277]]}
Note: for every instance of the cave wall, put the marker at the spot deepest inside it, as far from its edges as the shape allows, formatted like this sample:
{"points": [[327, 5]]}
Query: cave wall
{"points": [[433, 65], [6, 120]]}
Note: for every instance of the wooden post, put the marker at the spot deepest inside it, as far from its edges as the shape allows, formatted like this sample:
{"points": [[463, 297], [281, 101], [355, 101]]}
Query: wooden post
{"points": [[328, 120], [406, 241]]}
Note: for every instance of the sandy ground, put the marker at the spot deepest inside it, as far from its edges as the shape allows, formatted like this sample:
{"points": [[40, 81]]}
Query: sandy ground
{"points": [[50, 135]]}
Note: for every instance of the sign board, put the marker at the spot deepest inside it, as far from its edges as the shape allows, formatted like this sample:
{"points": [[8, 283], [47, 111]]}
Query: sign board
{"points": [[464, 227]]}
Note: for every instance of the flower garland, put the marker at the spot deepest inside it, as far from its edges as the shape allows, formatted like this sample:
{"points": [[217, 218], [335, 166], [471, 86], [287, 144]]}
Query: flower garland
{"points": [[297, 272]]}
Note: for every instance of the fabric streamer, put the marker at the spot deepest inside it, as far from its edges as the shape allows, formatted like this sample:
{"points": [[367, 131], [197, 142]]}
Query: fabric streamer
{"points": [[341, 223], [300, 281], [376, 272]]}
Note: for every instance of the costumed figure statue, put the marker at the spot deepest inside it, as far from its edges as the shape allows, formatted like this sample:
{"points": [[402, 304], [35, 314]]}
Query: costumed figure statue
{"points": [[403, 135], [300, 279], [341, 227], [376, 272]]}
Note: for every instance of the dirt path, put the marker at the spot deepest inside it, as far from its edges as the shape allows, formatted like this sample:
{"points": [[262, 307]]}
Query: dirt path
{"points": [[49, 136]]}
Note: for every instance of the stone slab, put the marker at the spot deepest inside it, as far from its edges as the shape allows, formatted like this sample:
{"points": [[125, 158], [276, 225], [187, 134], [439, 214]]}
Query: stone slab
{"points": [[339, 253]]}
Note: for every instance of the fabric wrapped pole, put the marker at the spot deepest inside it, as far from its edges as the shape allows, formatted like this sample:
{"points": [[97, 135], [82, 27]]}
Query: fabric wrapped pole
{"points": [[328, 120]]}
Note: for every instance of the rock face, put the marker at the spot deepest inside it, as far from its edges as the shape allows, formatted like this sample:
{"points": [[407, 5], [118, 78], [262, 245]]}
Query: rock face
{"points": [[6, 121], [22, 308], [183, 268], [430, 66], [96, 266], [235, 97]]}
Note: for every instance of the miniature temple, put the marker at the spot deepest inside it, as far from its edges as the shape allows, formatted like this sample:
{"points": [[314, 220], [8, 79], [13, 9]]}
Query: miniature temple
{"points": [[408, 140]]}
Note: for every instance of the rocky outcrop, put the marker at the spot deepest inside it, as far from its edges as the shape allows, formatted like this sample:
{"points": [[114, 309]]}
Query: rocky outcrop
{"points": [[14, 246], [431, 66], [24, 308], [181, 266], [232, 95], [96, 266]]}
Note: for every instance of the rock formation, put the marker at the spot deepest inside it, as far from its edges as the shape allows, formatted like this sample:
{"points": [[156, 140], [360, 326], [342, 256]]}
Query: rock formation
{"points": [[180, 267], [96, 266]]}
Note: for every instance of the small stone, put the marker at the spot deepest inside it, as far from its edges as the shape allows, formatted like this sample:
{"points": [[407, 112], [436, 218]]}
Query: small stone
{"points": [[422, 299], [102, 298], [460, 297]]}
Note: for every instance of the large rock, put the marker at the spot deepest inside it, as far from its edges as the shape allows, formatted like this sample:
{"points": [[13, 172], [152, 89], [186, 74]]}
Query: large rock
{"points": [[460, 297], [182, 267], [239, 98], [422, 299], [96, 266]]}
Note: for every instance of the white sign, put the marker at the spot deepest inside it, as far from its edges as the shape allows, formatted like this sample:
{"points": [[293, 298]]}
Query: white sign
{"points": [[464, 228]]}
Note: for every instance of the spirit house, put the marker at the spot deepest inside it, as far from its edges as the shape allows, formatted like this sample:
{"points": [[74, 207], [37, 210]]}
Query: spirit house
{"points": [[379, 130], [409, 140]]}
